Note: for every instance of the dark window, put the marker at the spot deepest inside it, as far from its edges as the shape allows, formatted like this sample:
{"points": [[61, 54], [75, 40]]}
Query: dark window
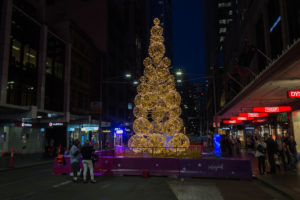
{"points": [[54, 92], [22, 72]]}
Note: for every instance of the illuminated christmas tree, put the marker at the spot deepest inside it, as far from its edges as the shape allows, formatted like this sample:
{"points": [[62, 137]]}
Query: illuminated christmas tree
{"points": [[157, 127]]}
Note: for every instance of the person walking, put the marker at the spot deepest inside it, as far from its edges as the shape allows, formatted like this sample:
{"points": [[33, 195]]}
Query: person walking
{"points": [[75, 159], [260, 154], [87, 152]]}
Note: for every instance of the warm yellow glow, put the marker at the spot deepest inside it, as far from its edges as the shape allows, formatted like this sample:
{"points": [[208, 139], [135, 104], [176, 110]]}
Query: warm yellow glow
{"points": [[157, 104]]}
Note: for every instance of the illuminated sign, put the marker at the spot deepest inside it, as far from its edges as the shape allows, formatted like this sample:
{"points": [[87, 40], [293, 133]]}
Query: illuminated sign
{"points": [[276, 109], [253, 114], [26, 125], [232, 121], [89, 129], [55, 124], [294, 94], [241, 118], [106, 131], [119, 131]]}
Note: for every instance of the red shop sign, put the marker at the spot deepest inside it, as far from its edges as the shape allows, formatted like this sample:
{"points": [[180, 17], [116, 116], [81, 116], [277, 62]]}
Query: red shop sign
{"points": [[232, 121], [294, 94], [253, 114], [276, 109], [258, 120], [241, 118]]}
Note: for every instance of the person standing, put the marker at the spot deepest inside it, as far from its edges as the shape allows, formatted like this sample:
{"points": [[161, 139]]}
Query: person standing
{"points": [[280, 147], [75, 159], [87, 152], [260, 154], [271, 150], [293, 152]]}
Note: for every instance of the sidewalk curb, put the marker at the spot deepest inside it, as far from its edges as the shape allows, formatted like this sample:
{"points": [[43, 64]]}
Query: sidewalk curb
{"points": [[273, 187], [26, 166]]}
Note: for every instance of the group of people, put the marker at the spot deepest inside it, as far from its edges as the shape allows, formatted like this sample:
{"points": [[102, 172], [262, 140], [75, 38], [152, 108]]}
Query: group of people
{"points": [[87, 153], [230, 145], [276, 153]]}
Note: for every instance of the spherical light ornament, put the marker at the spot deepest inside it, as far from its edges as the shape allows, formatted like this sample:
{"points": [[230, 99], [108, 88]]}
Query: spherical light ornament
{"points": [[156, 143], [175, 112], [158, 114], [157, 127], [173, 99], [139, 112], [173, 126], [138, 143], [165, 62], [156, 21], [156, 52], [138, 99], [149, 71], [179, 143], [143, 79], [141, 126], [156, 31], [147, 61]]}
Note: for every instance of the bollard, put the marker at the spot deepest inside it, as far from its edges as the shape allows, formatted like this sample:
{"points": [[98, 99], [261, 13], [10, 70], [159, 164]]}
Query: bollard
{"points": [[11, 158]]}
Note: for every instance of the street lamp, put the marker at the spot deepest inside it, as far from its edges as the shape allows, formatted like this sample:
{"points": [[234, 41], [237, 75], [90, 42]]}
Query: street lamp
{"points": [[179, 73], [128, 75], [135, 82]]}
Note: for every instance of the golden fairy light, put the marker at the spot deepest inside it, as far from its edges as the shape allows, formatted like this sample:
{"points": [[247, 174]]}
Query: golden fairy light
{"points": [[157, 104]]}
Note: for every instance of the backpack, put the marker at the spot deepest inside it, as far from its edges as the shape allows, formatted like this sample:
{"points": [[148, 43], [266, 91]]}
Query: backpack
{"points": [[261, 149]]}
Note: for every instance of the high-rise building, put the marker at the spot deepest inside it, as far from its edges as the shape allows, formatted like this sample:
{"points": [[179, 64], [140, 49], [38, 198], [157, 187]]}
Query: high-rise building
{"points": [[50, 67]]}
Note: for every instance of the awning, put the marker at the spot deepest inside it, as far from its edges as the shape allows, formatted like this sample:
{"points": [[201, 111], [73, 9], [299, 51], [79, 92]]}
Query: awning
{"points": [[270, 87]]}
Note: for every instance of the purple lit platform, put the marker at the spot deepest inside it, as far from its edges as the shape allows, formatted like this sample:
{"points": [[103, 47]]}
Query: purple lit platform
{"points": [[213, 167]]}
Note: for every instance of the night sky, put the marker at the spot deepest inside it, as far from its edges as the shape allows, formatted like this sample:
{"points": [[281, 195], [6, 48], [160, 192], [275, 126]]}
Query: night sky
{"points": [[188, 36]]}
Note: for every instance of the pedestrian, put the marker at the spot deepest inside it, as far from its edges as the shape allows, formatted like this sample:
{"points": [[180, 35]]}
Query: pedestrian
{"points": [[238, 145], [87, 153], [260, 154], [280, 147], [293, 152], [75, 159], [271, 150]]}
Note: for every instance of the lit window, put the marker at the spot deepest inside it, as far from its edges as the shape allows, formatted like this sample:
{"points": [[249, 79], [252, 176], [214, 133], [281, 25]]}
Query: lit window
{"points": [[222, 30], [222, 38], [224, 5], [222, 21], [15, 52], [230, 12], [221, 48]]}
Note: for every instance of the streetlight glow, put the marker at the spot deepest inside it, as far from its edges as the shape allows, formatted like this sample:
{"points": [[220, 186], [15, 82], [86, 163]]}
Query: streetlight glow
{"points": [[179, 73], [179, 81], [127, 75], [135, 82]]}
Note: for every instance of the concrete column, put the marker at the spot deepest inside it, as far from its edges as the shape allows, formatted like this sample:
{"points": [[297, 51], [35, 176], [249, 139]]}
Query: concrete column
{"points": [[67, 81], [42, 67], [6, 16]]}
